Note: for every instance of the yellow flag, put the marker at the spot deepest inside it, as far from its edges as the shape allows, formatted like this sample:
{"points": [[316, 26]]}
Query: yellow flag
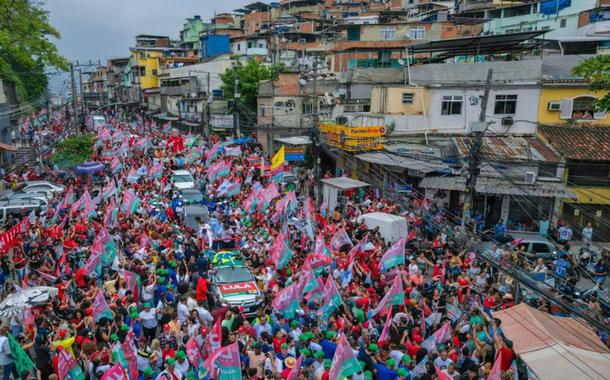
{"points": [[278, 158]]}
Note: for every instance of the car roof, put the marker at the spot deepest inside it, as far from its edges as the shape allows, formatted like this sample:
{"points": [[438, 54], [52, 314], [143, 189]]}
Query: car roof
{"points": [[181, 172], [530, 237], [192, 191]]}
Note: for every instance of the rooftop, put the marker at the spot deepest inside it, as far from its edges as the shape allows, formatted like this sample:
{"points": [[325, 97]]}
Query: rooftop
{"points": [[578, 143]]}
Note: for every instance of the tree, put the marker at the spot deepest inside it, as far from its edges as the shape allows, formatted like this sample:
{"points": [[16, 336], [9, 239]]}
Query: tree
{"points": [[73, 151], [596, 70], [249, 75], [25, 48]]}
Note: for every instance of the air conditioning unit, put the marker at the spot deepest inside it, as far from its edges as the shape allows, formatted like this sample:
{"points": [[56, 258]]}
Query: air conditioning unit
{"points": [[554, 106], [529, 177], [507, 121]]}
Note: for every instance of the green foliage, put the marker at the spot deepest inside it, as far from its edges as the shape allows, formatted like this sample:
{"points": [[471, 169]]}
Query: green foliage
{"points": [[25, 48], [73, 151], [249, 75], [597, 71]]}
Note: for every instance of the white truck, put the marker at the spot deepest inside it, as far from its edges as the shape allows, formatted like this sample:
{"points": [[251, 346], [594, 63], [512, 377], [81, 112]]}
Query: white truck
{"points": [[391, 227]]}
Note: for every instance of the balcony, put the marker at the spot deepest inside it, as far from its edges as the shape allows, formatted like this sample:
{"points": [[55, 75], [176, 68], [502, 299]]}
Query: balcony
{"points": [[176, 90], [195, 117]]}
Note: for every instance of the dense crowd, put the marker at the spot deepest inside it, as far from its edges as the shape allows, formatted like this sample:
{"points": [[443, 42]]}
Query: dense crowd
{"points": [[134, 292]]}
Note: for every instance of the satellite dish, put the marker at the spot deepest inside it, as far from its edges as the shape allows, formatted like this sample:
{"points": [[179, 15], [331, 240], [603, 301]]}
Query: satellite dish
{"points": [[401, 62], [302, 81]]}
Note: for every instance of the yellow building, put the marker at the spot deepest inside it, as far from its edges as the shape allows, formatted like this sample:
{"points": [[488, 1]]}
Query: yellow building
{"points": [[147, 62], [569, 100], [360, 134]]}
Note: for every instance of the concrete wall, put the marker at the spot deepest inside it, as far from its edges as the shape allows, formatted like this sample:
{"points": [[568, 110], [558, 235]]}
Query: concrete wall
{"points": [[556, 94], [388, 100]]}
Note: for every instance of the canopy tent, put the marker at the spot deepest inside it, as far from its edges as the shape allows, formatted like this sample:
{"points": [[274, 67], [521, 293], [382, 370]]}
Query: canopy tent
{"points": [[555, 347], [332, 186]]}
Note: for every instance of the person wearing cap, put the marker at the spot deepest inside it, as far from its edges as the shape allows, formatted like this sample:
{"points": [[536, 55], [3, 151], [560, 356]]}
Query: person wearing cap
{"points": [[170, 372], [256, 359], [404, 374], [181, 363], [295, 330], [147, 374], [385, 371], [144, 353], [284, 354], [148, 318], [328, 345], [289, 363], [167, 339], [319, 361]]}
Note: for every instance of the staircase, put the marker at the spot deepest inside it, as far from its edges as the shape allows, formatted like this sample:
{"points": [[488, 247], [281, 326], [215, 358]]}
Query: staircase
{"points": [[25, 155]]}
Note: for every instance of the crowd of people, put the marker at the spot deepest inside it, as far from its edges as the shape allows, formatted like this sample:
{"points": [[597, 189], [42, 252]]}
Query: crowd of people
{"points": [[134, 296]]}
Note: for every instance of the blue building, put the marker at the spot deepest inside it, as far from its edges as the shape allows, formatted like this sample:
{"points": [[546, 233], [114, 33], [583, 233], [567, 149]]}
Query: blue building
{"points": [[215, 44]]}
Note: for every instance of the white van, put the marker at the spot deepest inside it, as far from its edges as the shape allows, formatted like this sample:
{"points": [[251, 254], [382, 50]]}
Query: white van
{"points": [[18, 208], [98, 121]]}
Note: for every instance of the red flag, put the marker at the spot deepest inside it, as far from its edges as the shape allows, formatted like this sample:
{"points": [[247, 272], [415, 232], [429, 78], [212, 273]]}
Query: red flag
{"points": [[129, 351], [213, 340], [441, 375]]}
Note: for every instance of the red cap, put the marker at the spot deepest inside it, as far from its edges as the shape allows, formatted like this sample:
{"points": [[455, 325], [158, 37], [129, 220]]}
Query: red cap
{"points": [[241, 329], [89, 311], [165, 327], [204, 331], [79, 340], [62, 333]]}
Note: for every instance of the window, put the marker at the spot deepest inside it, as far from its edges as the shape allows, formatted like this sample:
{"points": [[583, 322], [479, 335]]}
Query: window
{"points": [[562, 23], [142, 71], [418, 33], [261, 111], [154, 72], [387, 34], [452, 105], [407, 98], [238, 47], [505, 104], [583, 108], [307, 108]]}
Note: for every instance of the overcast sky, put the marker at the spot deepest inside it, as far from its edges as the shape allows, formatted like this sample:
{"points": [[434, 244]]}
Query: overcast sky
{"points": [[102, 29]]}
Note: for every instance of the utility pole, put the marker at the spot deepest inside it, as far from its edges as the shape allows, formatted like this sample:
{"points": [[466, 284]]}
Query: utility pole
{"points": [[236, 95], [74, 112], [207, 115], [315, 137], [477, 132]]}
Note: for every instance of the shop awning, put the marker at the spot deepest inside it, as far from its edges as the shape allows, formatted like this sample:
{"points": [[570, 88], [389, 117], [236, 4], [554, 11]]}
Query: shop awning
{"points": [[344, 183], [295, 140], [10, 148], [500, 186], [389, 159], [190, 123]]}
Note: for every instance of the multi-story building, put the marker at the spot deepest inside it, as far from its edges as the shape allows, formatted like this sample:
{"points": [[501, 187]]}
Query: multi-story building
{"points": [[191, 30], [115, 78]]}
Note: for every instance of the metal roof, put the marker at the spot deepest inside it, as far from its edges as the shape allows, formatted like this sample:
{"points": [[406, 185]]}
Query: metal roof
{"points": [[389, 159], [496, 43], [344, 183], [487, 185], [295, 140], [510, 148]]}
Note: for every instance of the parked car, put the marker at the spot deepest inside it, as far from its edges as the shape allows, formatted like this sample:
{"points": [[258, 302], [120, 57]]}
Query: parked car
{"points": [[42, 197], [183, 179], [236, 286], [534, 245], [42, 187]]}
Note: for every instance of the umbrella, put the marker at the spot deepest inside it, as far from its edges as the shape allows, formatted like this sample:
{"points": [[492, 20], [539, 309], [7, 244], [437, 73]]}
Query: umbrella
{"points": [[35, 296], [89, 167]]}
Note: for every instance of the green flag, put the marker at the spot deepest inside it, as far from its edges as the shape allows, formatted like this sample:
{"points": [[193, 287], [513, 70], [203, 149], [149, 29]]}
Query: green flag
{"points": [[23, 363]]}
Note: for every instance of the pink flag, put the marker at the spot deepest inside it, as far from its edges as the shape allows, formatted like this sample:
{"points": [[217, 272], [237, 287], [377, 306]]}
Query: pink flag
{"points": [[394, 296], [116, 372], [270, 193], [307, 279], [344, 363], [213, 339], [100, 307], [321, 248], [496, 370], [192, 352], [287, 300], [395, 255], [317, 292], [443, 334], [279, 252], [296, 370], [340, 239], [132, 284], [385, 333], [129, 352], [225, 363]]}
